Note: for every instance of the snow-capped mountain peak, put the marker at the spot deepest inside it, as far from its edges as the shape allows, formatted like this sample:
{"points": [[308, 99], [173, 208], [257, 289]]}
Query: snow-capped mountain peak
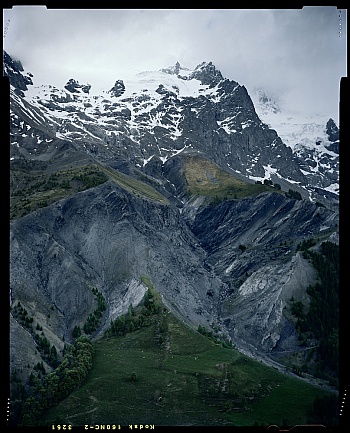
{"points": [[176, 69], [265, 103], [314, 140], [162, 113]]}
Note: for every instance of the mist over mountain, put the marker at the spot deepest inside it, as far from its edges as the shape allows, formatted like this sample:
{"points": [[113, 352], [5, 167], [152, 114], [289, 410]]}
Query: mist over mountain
{"points": [[180, 175], [314, 141]]}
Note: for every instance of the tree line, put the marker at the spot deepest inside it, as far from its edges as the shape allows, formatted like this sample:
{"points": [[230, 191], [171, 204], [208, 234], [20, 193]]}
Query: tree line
{"points": [[68, 372], [269, 182], [134, 320], [293, 194], [48, 391], [47, 351], [94, 318], [321, 321]]}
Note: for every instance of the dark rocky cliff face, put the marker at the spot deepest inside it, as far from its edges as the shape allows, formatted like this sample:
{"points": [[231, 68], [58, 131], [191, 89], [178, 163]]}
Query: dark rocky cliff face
{"points": [[251, 245], [13, 69], [108, 238], [232, 262]]}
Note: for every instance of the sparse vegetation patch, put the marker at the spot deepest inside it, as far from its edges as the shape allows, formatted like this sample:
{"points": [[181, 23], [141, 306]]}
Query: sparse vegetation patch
{"points": [[205, 178], [31, 190]]}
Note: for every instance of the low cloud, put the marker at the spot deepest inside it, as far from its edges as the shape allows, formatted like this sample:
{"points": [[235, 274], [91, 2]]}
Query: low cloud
{"points": [[295, 54]]}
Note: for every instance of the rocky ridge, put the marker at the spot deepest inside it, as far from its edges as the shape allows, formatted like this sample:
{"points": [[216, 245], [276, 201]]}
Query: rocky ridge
{"points": [[230, 263], [314, 141], [175, 110]]}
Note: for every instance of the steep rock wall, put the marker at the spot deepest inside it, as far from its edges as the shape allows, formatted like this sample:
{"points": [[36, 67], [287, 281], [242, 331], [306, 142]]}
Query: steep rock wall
{"points": [[107, 238]]}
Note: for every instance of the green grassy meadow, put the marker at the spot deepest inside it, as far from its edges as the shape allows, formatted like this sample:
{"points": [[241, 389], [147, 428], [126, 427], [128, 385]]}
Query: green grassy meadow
{"points": [[190, 380], [205, 178]]}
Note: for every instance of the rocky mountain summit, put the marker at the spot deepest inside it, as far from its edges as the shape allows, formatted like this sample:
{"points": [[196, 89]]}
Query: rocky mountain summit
{"points": [[170, 175], [314, 141], [159, 114], [13, 69]]}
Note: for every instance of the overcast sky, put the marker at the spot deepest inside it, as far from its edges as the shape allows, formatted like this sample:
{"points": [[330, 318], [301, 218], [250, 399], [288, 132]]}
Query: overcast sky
{"points": [[295, 54]]}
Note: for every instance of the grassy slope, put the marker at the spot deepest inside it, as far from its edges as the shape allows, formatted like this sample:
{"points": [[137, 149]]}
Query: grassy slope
{"points": [[189, 381], [33, 188], [134, 186], [205, 178]]}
